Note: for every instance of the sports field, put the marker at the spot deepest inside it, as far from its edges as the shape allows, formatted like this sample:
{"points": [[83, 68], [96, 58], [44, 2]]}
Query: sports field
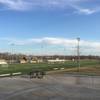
{"points": [[86, 66]]}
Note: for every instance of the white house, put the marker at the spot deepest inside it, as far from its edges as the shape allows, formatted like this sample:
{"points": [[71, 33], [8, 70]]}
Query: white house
{"points": [[22, 61], [33, 61], [2, 61]]}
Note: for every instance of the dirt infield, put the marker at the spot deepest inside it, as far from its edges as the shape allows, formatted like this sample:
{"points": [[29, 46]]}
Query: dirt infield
{"points": [[52, 87]]}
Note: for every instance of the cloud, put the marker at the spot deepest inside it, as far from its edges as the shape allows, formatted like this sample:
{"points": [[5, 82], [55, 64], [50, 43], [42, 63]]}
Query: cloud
{"points": [[45, 40], [27, 4], [19, 5], [70, 45], [23, 5], [86, 11]]}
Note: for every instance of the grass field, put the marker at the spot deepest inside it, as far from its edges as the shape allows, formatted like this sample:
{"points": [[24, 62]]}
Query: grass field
{"points": [[25, 68]]}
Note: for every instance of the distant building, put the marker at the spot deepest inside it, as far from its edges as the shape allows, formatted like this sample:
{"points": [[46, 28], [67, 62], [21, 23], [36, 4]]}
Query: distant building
{"points": [[57, 60], [36, 61], [33, 61], [2, 61], [22, 61], [40, 60]]}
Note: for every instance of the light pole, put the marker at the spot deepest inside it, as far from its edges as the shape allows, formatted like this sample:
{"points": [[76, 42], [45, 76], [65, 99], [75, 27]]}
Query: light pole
{"points": [[64, 54], [42, 51], [78, 53], [12, 53]]}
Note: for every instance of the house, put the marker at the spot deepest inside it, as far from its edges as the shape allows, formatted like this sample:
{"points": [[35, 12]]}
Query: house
{"points": [[40, 60], [36, 61], [22, 61], [33, 61], [3, 61]]}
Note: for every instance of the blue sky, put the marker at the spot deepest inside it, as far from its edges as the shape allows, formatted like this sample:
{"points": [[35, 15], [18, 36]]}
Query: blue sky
{"points": [[49, 26]]}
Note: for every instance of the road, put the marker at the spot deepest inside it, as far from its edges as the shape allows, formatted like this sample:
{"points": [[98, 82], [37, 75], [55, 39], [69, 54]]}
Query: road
{"points": [[52, 87]]}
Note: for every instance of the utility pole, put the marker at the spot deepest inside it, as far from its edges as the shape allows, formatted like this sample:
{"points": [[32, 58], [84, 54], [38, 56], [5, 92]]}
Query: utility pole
{"points": [[78, 53]]}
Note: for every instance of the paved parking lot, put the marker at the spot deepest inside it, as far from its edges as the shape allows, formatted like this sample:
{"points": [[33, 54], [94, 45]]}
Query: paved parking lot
{"points": [[52, 87]]}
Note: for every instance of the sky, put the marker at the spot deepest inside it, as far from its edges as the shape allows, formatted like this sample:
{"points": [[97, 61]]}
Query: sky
{"points": [[50, 26]]}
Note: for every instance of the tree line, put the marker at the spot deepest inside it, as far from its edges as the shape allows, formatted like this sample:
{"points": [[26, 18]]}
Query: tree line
{"points": [[9, 56]]}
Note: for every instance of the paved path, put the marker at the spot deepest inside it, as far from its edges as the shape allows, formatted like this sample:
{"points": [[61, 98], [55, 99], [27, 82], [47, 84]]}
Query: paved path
{"points": [[52, 87]]}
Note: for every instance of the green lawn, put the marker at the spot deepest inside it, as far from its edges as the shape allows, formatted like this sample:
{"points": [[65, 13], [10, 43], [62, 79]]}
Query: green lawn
{"points": [[25, 68]]}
